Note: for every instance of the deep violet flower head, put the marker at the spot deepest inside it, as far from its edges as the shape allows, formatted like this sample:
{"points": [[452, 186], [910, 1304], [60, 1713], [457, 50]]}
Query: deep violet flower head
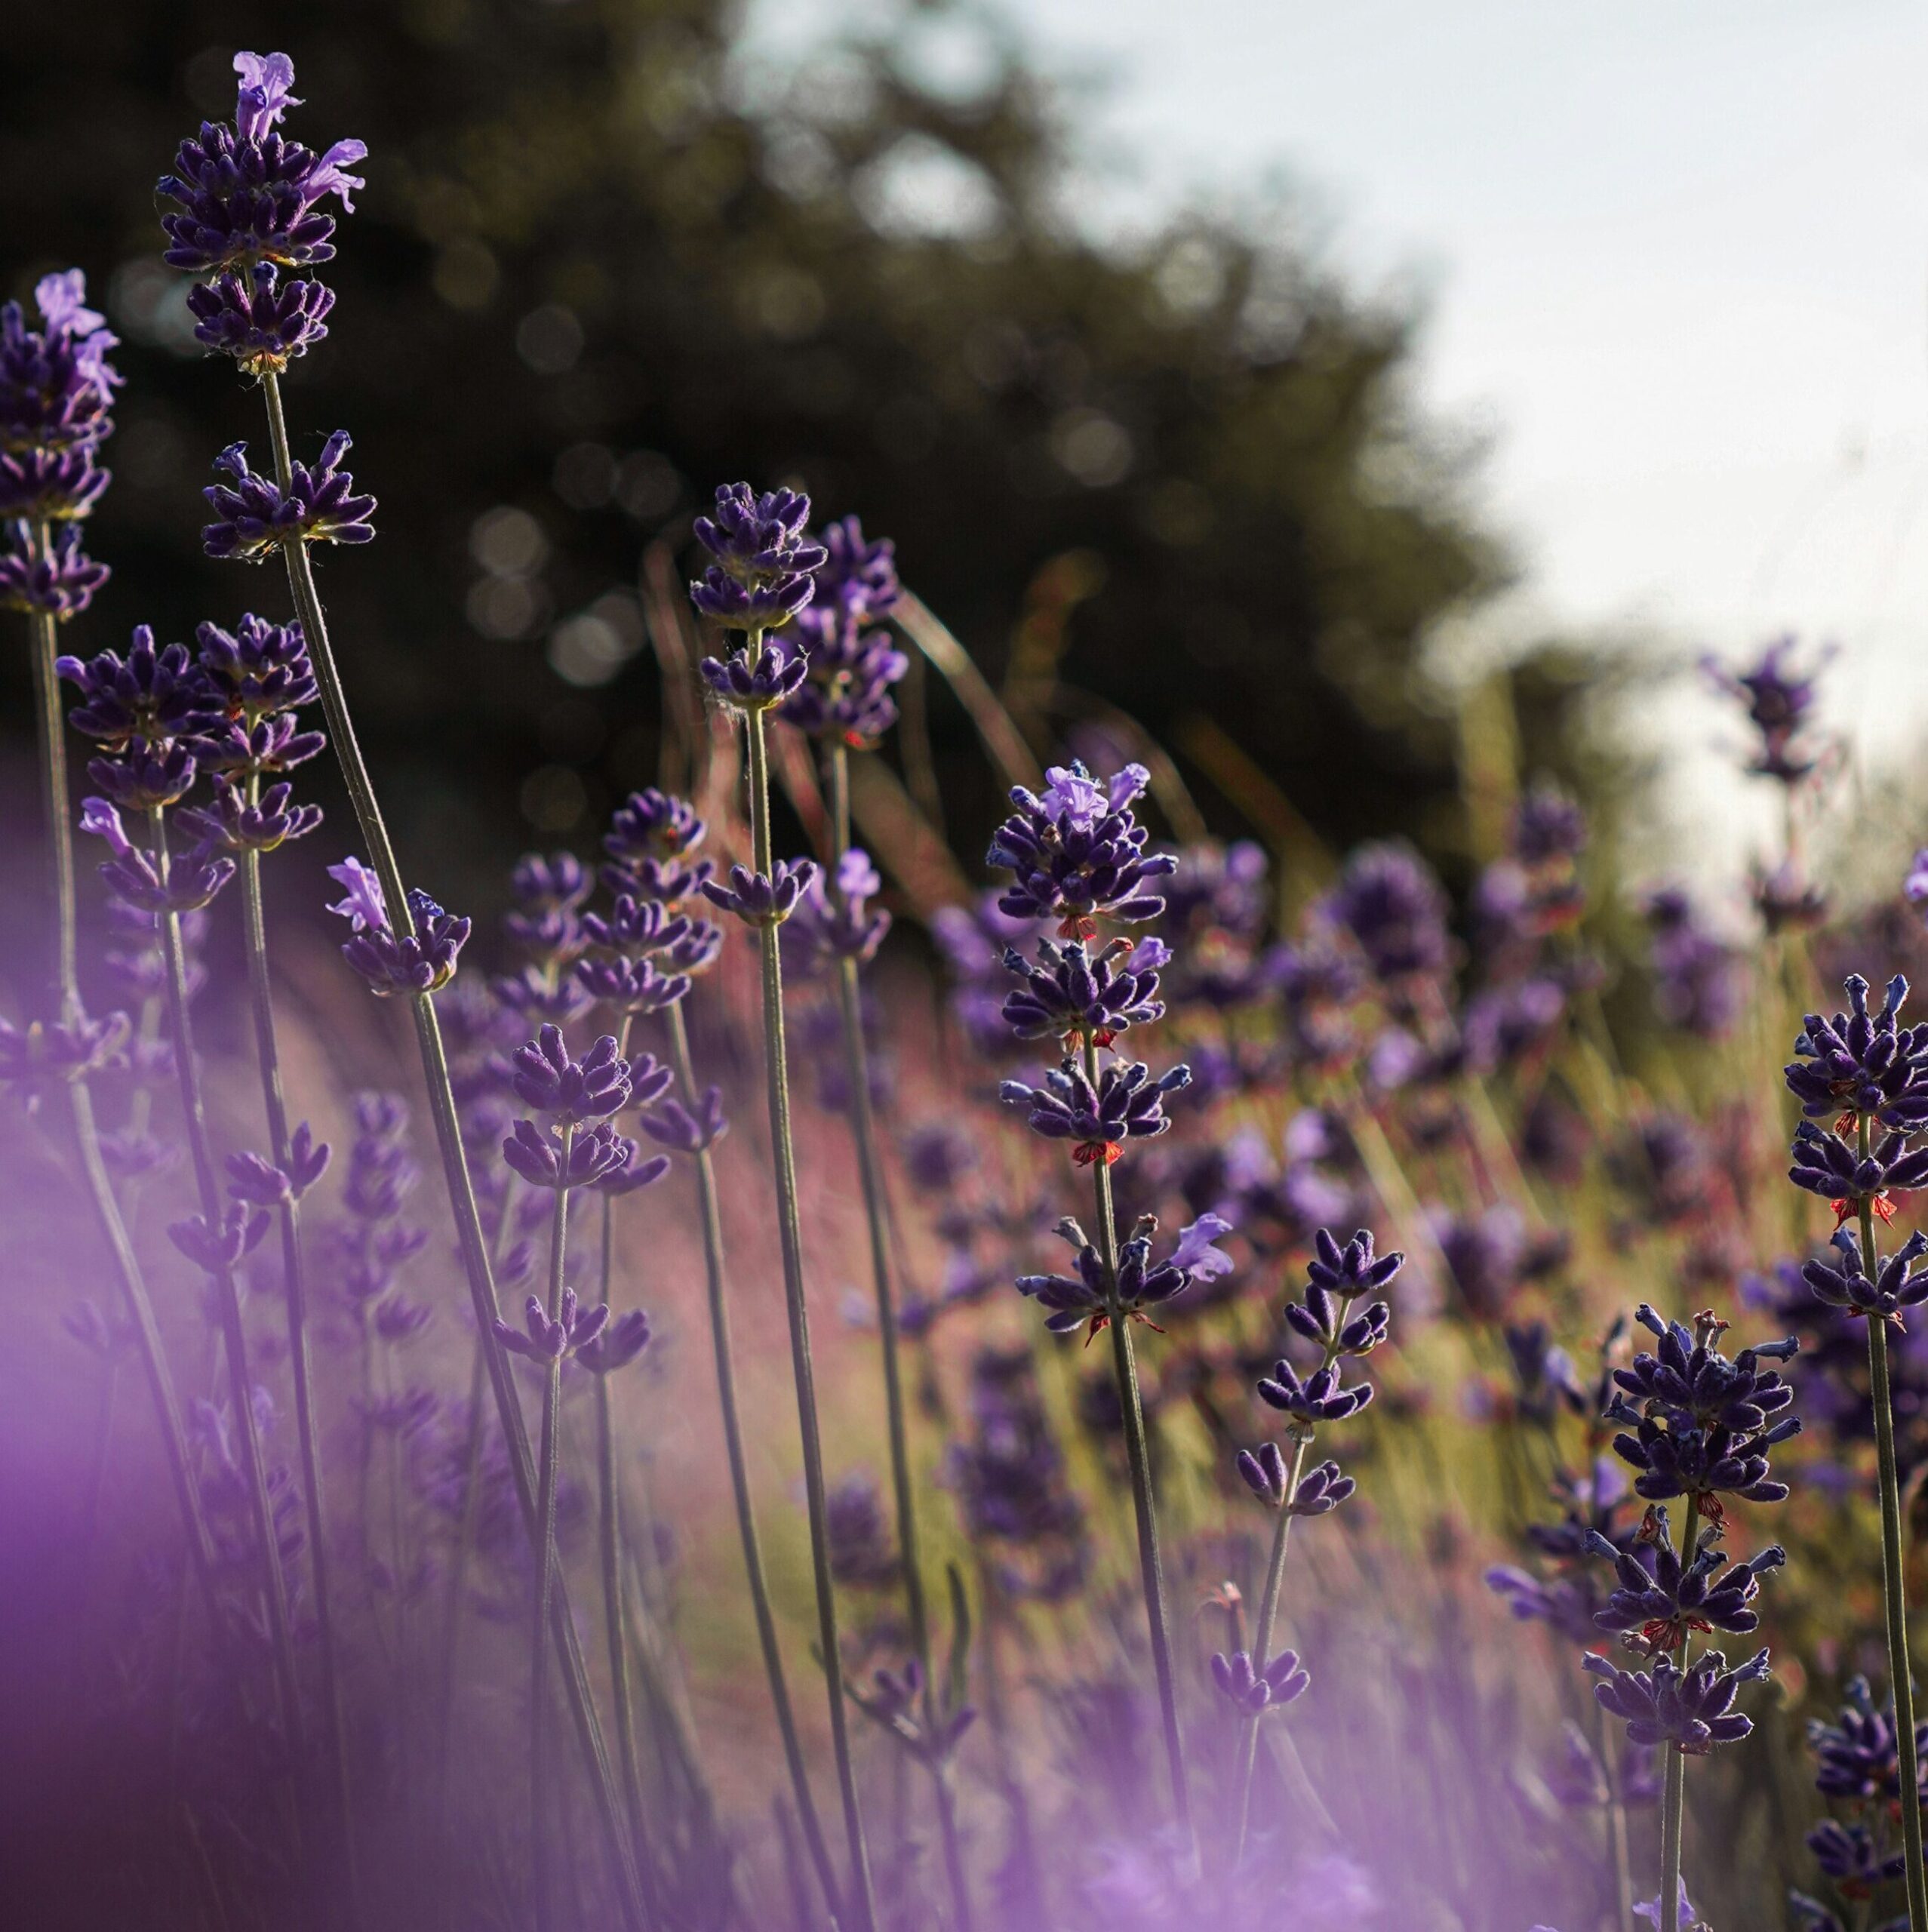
{"points": [[651, 839], [59, 579], [264, 322], [1074, 990], [1126, 1104], [245, 193], [1090, 1299], [418, 962], [1702, 1424], [183, 883], [1779, 700], [258, 668], [595, 1153], [763, 899], [763, 558], [232, 824], [1285, 1680], [1660, 1598], [1844, 1284], [547, 1078], [154, 693], [1321, 1489], [1692, 1708], [1824, 1164], [254, 516], [1077, 851], [541, 1339], [686, 1130], [1861, 1062]]}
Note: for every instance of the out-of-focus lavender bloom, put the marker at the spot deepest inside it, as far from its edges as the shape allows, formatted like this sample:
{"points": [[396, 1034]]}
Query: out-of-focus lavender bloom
{"points": [[252, 1177], [1487, 1254], [56, 388], [635, 1171], [1090, 1299], [1692, 1708], [215, 1247], [1787, 900], [1850, 1859], [1504, 1024], [1076, 990], [852, 666], [1549, 827], [1703, 1424], [421, 963], [254, 517], [761, 899], [1282, 1681], [1078, 851], [1127, 1104], [834, 920], [60, 580], [36, 1058], [541, 1339], [1388, 903], [620, 1342], [245, 193], [763, 558], [1697, 977], [1567, 1603], [861, 1552], [631, 985], [1857, 1757], [1779, 701], [686, 1130], [261, 322], [651, 838]]}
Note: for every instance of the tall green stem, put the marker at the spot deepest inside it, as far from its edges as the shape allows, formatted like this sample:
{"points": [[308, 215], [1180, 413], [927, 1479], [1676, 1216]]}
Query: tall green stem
{"points": [[57, 809], [267, 1051], [1894, 1578], [1262, 1643], [789, 1227], [1674, 1782], [240, 1384], [1150, 1564], [870, 1168], [546, 1480], [476, 1267], [710, 1204]]}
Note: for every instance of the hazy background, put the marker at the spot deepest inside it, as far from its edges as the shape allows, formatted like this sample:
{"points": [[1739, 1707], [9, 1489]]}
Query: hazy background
{"points": [[1266, 364]]}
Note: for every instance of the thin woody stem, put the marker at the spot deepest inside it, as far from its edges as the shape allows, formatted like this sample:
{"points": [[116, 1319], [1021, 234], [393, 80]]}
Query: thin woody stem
{"points": [[710, 1205], [790, 1231], [476, 1269], [1151, 1562], [546, 1563]]}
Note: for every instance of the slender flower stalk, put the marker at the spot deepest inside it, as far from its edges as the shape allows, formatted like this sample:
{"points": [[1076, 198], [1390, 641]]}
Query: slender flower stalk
{"points": [[545, 1562], [863, 1127], [709, 1205], [861, 1905], [1674, 1777], [1124, 1367], [1894, 1575], [216, 1263]]}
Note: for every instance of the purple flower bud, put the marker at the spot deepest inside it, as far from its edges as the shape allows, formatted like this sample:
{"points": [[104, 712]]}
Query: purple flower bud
{"points": [[760, 576], [217, 1248], [261, 322], [674, 1125], [61, 581], [621, 1341], [759, 899], [37, 1057], [254, 517]]}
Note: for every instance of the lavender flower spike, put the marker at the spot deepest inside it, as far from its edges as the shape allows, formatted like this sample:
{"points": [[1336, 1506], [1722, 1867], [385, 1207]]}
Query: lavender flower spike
{"points": [[1127, 1104], [1077, 853], [253, 517], [764, 556], [422, 963]]}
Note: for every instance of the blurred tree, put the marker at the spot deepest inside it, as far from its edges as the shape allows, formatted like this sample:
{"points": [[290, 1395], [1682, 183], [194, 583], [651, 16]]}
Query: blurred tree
{"points": [[603, 263]]}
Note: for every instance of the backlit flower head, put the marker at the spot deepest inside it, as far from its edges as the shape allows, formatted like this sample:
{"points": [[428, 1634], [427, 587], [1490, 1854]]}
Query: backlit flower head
{"points": [[1077, 851], [764, 556], [254, 517]]}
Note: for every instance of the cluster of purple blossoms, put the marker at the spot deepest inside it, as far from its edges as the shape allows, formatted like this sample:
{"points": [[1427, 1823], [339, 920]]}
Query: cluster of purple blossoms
{"points": [[1077, 852], [255, 516], [576, 1144], [759, 578], [56, 387], [420, 962], [837, 920], [249, 205], [1389, 910], [1096, 1295], [1702, 1424], [375, 1242], [852, 662], [1697, 979]]}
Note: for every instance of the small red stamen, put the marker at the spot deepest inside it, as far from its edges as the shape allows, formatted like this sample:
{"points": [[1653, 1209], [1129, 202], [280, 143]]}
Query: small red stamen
{"points": [[1103, 1036], [1848, 1122], [1078, 927], [1099, 1323], [1148, 1321], [1089, 1153], [1712, 1514], [1882, 1206]]}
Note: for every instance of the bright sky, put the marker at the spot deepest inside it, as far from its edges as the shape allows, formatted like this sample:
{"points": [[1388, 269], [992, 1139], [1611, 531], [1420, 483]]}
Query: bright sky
{"points": [[1676, 255]]}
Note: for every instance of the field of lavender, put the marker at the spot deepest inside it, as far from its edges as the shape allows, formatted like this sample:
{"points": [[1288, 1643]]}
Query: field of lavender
{"points": [[887, 1519]]}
